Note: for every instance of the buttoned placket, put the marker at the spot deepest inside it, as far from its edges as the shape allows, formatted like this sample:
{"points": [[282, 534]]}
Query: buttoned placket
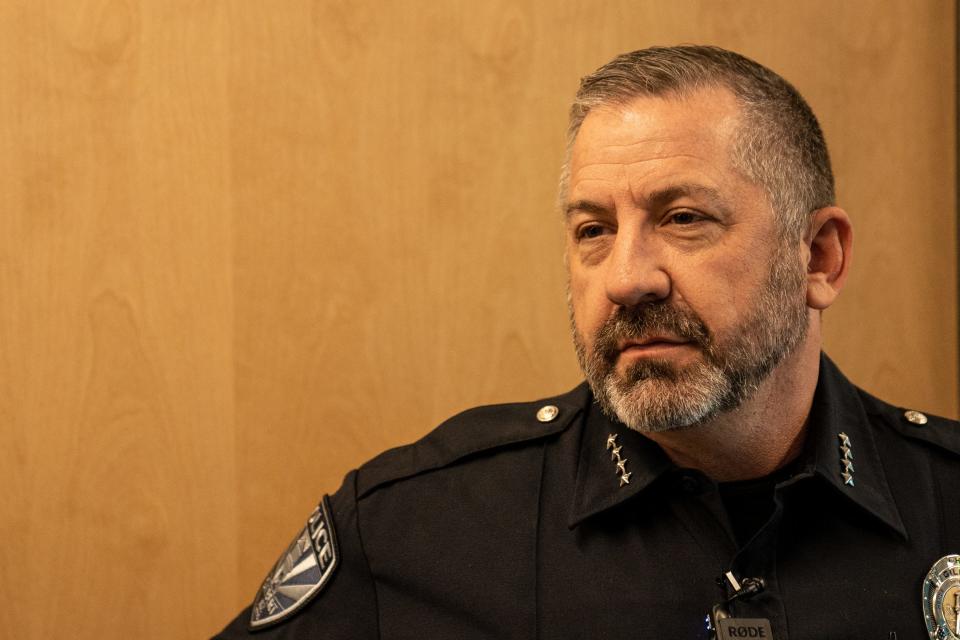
{"points": [[702, 514]]}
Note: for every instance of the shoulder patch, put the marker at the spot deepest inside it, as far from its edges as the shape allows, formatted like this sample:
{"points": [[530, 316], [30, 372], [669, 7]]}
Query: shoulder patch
{"points": [[301, 573]]}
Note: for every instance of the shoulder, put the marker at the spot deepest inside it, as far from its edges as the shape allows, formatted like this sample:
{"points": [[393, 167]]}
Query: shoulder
{"points": [[914, 424], [322, 584], [473, 432]]}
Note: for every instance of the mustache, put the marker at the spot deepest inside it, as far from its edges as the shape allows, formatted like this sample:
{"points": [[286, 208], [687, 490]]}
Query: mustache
{"points": [[650, 319]]}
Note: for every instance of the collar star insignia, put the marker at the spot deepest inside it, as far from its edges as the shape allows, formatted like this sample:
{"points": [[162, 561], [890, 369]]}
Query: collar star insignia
{"points": [[615, 449], [846, 459]]}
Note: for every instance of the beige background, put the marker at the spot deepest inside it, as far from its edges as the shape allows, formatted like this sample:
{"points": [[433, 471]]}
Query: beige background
{"points": [[245, 246]]}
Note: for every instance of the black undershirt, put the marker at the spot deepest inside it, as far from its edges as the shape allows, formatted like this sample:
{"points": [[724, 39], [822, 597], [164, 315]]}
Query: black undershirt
{"points": [[749, 503]]}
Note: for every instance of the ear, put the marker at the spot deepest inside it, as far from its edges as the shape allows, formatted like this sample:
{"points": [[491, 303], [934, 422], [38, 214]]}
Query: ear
{"points": [[830, 240]]}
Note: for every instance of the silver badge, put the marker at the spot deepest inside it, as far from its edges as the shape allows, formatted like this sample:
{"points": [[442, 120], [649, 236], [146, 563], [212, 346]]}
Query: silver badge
{"points": [[300, 573], [941, 599]]}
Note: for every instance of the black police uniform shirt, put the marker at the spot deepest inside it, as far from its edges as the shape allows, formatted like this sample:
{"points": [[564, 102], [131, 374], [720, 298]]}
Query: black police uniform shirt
{"points": [[502, 525]]}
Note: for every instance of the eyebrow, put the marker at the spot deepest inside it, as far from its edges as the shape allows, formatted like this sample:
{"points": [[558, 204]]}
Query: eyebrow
{"points": [[586, 206], [658, 198], [663, 197]]}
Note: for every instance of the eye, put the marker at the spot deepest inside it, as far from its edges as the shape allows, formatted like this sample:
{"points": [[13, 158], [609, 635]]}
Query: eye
{"points": [[685, 217], [591, 231]]}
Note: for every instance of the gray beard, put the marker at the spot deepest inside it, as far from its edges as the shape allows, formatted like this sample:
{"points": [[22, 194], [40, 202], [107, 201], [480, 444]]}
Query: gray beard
{"points": [[654, 395]]}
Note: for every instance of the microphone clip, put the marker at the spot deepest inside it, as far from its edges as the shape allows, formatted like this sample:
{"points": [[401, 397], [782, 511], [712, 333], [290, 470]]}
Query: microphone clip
{"points": [[720, 623]]}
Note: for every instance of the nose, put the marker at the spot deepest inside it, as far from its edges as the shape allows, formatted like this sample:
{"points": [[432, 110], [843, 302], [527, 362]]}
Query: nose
{"points": [[635, 271]]}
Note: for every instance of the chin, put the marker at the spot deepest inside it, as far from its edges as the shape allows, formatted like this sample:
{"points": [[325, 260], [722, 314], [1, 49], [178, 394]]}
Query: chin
{"points": [[656, 397], [657, 405]]}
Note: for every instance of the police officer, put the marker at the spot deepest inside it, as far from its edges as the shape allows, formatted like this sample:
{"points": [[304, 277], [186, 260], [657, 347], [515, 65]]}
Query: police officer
{"points": [[716, 475]]}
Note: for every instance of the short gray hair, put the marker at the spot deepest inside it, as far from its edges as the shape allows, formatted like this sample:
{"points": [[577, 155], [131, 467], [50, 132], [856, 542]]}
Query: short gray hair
{"points": [[779, 144]]}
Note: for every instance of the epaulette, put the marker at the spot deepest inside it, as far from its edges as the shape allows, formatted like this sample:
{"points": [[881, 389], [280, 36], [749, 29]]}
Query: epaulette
{"points": [[472, 432], [917, 425]]}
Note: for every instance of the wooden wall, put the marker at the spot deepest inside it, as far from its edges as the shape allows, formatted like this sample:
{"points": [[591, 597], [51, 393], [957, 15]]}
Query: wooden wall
{"points": [[245, 246]]}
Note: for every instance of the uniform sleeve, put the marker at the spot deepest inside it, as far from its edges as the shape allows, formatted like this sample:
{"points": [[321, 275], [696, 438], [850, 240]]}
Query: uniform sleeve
{"points": [[345, 607]]}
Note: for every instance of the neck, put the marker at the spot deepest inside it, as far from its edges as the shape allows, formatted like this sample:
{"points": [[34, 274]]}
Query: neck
{"points": [[763, 434]]}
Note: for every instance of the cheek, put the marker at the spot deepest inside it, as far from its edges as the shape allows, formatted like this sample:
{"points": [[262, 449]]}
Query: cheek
{"points": [[719, 291], [588, 304]]}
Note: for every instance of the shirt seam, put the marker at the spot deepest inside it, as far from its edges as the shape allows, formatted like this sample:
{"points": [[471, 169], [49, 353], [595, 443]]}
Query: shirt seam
{"points": [[536, 542], [363, 550], [938, 490]]}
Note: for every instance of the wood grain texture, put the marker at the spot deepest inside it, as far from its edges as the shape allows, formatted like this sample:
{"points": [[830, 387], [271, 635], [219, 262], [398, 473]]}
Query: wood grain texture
{"points": [[117, 321], [246, 246]]}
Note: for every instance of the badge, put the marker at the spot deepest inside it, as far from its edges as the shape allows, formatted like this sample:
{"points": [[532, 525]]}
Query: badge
{"points": [[941, 599], [300, 573]]}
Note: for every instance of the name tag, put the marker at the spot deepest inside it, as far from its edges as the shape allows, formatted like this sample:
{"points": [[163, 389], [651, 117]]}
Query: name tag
{"points": [[736, 628]]}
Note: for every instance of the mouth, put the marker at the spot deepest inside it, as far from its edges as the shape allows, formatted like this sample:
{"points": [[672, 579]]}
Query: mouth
{"points": [[651, 341], [653, 346]]}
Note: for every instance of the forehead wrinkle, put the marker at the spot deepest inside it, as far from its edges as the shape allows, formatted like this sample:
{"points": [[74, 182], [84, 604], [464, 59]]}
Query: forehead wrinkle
{"points": [[625, 169], [587, 173], [618, 150]]}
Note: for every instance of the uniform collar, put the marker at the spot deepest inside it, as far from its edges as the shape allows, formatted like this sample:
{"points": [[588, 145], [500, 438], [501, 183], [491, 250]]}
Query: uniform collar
{"points": [[836, 410], [598, 485]]}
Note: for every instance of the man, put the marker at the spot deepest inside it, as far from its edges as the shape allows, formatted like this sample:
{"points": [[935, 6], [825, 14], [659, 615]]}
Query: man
{"points": [[717, 476]]}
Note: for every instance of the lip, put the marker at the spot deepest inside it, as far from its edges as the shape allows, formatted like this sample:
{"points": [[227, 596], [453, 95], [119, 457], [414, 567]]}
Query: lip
{"points": [[653, 346], [651, 342]]}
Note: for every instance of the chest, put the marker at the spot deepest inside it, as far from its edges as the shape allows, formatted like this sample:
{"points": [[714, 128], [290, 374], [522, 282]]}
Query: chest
{"points": [[501, 561]]}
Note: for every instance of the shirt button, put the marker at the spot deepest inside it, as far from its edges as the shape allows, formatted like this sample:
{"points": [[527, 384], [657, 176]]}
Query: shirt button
{"points": [[547, 413], [689, 484], [915, 417]]}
